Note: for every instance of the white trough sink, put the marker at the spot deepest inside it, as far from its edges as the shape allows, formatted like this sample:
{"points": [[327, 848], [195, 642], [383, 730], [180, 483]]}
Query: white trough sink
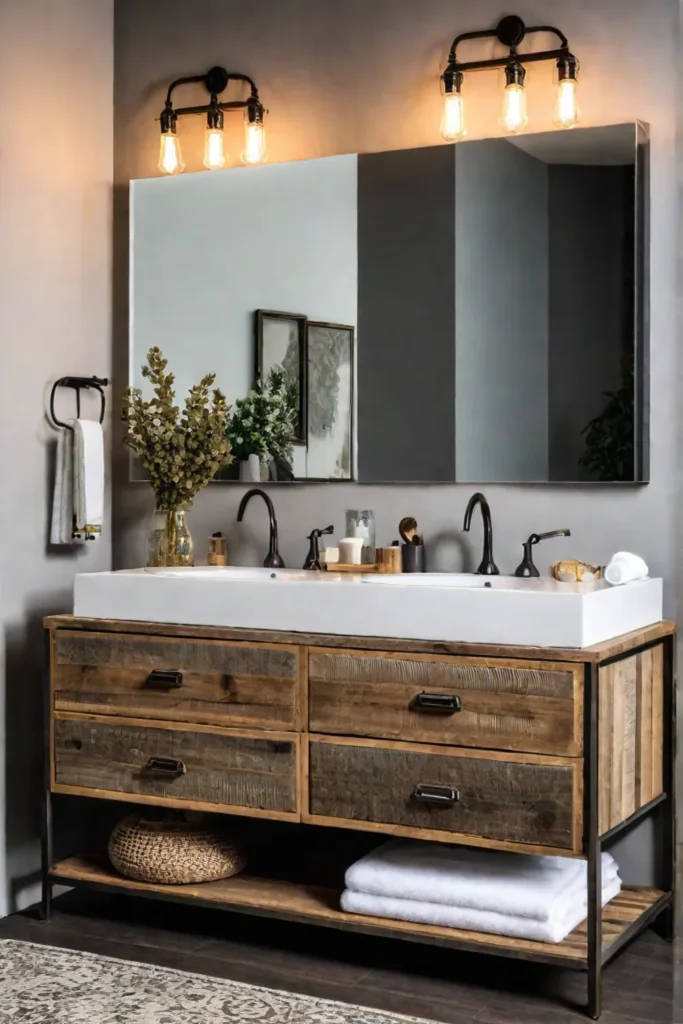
{"points": [[429, 606]]}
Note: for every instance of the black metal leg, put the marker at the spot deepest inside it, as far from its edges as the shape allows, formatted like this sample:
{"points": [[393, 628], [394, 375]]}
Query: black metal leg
{"points": [[666, 922], [46, 851], [46, 857], [594, 846]]}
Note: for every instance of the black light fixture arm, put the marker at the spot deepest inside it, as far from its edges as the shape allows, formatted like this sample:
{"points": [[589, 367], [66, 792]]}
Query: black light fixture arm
{"points": [[215, 81], [509, 32]]}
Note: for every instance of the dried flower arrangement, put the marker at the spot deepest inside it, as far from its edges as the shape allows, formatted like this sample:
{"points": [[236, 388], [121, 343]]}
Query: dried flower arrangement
{"points": [[181, 451], [264, 423]]}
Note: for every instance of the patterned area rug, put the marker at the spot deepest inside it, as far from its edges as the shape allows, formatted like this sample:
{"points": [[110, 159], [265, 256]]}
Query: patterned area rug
{"points": [[45, 985]]}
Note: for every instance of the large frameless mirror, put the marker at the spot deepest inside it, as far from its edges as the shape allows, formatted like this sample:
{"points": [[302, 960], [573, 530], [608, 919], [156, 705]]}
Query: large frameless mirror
{"points": [[474, 313]]}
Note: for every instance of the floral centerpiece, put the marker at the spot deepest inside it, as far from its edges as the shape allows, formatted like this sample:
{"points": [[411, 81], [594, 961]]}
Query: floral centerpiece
{"points": [[180, 450], [263, 425]]}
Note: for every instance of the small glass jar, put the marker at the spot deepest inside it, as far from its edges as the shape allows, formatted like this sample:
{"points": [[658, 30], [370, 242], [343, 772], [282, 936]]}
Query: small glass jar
{"points": [[362, 524], [170, 542]]}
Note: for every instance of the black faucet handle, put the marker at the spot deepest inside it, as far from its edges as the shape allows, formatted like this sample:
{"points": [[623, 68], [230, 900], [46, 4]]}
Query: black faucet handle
{"points": [[320, 533], [313, 557], [526, 569]]}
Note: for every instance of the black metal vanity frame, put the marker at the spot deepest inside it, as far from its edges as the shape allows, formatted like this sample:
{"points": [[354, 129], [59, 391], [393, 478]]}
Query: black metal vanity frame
{"points": [[662, 911], [594, 843]]}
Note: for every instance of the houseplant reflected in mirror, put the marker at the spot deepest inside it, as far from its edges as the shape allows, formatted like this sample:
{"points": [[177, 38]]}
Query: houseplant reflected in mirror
{"points": [[181, 452], [262, 429]]}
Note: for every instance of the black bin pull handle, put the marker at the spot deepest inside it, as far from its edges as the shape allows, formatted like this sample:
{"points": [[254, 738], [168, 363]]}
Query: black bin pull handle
{"points": [[160, 680], [443, 796], [441, 703], [166, 766]]}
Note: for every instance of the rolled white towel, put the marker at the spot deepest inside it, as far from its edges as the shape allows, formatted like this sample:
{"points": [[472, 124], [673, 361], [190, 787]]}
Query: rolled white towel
{"points": [[568, 914], [626, 568], [521, 885]]}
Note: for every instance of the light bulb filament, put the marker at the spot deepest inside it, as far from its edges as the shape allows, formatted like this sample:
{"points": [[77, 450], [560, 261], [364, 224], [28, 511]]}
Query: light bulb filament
{"points": [[453, 120], [170, 156], [214, 151], [566, 110]]}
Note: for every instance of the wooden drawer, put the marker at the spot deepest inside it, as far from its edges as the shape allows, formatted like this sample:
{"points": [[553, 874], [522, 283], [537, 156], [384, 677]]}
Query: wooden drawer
{"points": [[237, 771], [504, 705], [221, 683], [497, 800]]}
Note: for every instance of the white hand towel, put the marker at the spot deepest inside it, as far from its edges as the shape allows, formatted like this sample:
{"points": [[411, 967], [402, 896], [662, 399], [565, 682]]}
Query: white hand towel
{"points": [[61, 528], [568, 914], [625, 568], [512, 883], [88, 479]]}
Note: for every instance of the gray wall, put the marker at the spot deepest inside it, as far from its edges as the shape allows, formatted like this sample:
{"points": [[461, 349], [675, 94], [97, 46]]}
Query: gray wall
{"points": [[55, 303], [363, 77], [501, 313]]}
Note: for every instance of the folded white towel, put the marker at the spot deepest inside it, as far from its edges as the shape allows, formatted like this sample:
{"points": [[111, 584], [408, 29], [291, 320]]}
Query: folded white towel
{"points": [[568, 914], [88, 479], [510, 883], [625, 567], [61, 528]]}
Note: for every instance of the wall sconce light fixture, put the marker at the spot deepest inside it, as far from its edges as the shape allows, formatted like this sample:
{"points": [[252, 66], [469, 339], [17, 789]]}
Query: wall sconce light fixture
{"points": [[510, 32], [215, 81]]}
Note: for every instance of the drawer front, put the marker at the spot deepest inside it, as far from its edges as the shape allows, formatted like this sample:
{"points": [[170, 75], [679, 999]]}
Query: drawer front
{"points": [[199, 681], [497, 704], [203, 766], [509, 799]]}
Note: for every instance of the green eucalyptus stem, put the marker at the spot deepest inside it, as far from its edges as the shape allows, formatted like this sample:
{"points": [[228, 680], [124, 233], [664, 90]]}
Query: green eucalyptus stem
{"points": [[181, 451]]}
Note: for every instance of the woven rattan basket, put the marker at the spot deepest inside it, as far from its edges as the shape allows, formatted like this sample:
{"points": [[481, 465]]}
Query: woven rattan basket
{"points": [[172, 852]]}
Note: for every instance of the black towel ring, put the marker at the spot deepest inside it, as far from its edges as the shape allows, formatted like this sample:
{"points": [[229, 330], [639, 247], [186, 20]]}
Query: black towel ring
{"points": [[77, 383]]}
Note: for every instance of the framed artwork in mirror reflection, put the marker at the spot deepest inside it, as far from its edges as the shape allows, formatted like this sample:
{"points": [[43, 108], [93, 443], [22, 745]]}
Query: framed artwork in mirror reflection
{"points": [[331, 387], [281, 344]]}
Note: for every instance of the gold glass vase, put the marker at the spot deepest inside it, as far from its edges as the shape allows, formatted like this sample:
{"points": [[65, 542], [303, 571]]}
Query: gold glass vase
{"points": [[170, 542]]}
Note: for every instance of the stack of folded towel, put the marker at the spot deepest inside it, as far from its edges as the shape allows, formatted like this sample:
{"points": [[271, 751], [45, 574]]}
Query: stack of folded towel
{"points": [[524, 896]]}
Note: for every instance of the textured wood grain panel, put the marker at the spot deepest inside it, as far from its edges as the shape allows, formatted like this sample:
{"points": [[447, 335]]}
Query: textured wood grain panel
{"points": [[513, 798], [223, 683], [505, 705], [599, 652], [223, 768], [631, 695]]}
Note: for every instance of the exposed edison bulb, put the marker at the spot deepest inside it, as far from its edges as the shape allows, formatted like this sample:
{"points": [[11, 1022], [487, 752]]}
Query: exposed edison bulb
{"points": [[215, 156], [254, 143], [567, 109], [170, 155], [453, 120], [514, 117], [567, 112]]}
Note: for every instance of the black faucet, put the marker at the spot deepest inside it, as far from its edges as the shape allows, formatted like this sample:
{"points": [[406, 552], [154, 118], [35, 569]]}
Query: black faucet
{"points": [[313, 557], [526, 568], [272, 559], [487, 567]]}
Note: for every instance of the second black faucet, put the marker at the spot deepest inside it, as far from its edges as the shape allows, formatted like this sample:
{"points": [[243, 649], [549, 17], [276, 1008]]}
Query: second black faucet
{"points": [[487, 566], [272, 559]]}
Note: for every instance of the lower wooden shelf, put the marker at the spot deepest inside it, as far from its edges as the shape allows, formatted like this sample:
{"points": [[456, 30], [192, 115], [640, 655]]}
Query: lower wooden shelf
{"points": [[308, 903]]}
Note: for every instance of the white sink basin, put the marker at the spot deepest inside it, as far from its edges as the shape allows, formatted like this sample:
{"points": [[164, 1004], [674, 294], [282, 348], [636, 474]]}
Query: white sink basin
{"points": [[214, 573], [430, 606], [446, 579]]}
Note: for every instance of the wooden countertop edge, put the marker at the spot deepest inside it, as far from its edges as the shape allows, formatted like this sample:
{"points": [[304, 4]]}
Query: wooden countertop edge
{"points": [[596, 653]]}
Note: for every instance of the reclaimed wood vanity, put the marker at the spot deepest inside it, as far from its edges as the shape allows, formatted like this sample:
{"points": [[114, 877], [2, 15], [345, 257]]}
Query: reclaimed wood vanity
{"points": [[528, 749]]}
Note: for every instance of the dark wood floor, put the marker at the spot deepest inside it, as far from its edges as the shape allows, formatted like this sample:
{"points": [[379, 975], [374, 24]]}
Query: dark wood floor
{"points": [[456, 988]]}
